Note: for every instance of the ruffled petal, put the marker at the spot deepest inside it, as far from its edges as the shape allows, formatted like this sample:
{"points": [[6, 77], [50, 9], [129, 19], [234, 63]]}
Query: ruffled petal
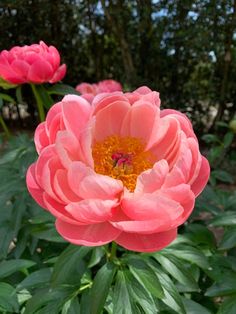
{"points": [[90, 235], [146, 243]]}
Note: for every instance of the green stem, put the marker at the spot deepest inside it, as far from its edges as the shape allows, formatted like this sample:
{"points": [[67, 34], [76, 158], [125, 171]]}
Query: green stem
{"points": [[5, 128], [39, 103], [113, 250]]}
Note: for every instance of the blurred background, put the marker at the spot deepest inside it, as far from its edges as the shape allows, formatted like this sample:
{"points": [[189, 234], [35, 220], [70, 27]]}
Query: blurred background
{"points": [[183, 49]]}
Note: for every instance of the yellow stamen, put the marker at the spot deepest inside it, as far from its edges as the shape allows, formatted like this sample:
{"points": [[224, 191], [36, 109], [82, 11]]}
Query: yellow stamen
{"points": [[122, 158]]}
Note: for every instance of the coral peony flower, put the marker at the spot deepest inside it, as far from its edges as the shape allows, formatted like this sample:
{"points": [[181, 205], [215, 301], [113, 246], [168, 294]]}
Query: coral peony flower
{"points": [[88, 91], [37, 64], [118, 170]]}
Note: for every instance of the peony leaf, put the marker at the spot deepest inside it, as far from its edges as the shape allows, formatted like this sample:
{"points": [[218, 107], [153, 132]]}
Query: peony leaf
{"points": [[145, 276], [70, 266], [11, 266], [101, 286], [62, 89], [177, 270], [8, 299]]}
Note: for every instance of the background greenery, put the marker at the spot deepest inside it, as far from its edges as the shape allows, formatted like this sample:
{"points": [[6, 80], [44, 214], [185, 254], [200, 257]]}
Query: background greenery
{"points": [[185, 50]]}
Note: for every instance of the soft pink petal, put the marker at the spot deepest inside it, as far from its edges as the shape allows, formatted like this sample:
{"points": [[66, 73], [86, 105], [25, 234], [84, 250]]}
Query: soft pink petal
{"points": [[100, 186], [40, 137], [33, 187], [203, 176], [92, 210], [106, 99], [185, 123], [58, 210], [151, 180], [90, 235], [67, 148], [139, 121], [76, 173], [109, 120], [20, 67], [62, 188], [76, 111], [146, 243], [151, 206]]}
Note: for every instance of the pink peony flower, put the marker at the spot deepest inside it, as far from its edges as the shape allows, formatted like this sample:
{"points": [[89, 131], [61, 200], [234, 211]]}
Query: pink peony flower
{"points": [[88, 91], [36, 63], [118, 170]]}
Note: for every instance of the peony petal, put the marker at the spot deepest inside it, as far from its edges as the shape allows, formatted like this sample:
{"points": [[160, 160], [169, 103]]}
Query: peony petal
{"points": [[90, 235], [62, 188], [146, 243], [203, 176], [109, 120], [100, 186], [151, 206], [40, 71], [76, 173], [59, 74], [140, 114], [151, 180], [58, 210], [76, 111], [40, 137], [33, 187], [92, 210]]}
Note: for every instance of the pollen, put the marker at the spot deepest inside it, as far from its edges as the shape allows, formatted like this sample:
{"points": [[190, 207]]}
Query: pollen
{"points": [[122, 158]]}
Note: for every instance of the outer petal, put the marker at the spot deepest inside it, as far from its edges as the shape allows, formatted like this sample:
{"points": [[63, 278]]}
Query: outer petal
{"points": [[146, 243], [40, 71], [33, 187], [59, 74], [203, 176], [90, 235], [40, 137]]}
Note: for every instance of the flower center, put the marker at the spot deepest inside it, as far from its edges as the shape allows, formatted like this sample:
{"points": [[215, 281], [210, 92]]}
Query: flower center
{"points": [[121, 158]]}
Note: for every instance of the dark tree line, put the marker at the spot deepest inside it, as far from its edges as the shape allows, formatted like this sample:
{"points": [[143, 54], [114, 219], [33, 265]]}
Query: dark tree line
{"points": [[185, 49]]}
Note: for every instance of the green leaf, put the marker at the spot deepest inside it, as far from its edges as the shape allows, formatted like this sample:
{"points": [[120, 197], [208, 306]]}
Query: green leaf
{"points": [[62, 89], [145, 275], [101, 286], [190, 254], [48, 300], [44, 95], [71, 307], [97, 255], [229, 239], [225, 219], [227, 286], [177, 270], [201, 235], [228, 307], [223, 176], [8, 299], [228, 139], [7, 98], [11, 266], [193, 307], [36, 279], [141, 296], [210, 138], [70, 266], [171, 296], [122, 300]]}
